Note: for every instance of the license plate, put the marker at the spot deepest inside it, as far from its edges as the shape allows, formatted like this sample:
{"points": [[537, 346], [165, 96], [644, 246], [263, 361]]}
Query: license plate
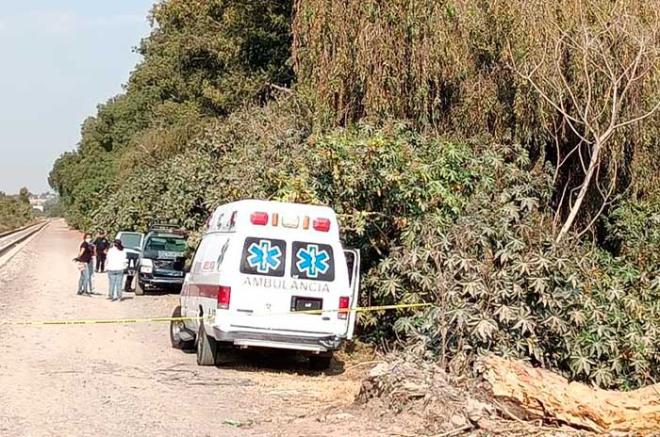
{"points": [[299, 303]]}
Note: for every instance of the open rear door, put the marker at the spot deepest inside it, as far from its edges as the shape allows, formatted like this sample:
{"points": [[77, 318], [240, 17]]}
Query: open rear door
{"points": [[353, 263]]}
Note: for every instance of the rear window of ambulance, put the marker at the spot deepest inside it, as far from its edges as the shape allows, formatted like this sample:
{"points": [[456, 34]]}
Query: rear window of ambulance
{"points": [[312, 261], [263, 256]]}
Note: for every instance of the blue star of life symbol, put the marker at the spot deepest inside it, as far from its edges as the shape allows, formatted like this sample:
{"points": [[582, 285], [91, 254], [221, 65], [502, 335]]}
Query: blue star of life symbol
{"points": [[313, 261], [264, 257]]}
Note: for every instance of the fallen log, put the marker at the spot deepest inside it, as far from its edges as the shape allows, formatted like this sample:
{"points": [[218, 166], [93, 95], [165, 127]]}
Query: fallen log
{"points": [[532, 393]]}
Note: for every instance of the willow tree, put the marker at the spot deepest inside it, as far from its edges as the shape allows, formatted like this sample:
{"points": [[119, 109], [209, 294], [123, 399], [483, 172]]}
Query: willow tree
{"points": [[596, 65]]}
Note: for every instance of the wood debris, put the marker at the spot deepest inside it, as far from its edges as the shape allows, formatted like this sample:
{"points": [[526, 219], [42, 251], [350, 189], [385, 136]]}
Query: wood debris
{"points": [[538, 394]]}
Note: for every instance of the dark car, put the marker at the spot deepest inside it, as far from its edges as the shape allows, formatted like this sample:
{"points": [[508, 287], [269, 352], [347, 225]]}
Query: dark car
{"points": [[162, 262]]}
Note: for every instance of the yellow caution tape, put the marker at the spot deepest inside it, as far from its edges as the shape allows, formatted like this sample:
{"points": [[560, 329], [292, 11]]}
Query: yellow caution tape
{"points": [[181, 319], [359, 309], [98, 321]]}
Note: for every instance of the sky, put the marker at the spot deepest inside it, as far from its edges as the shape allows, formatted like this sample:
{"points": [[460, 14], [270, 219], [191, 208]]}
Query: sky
{"points": [[58, 60]]}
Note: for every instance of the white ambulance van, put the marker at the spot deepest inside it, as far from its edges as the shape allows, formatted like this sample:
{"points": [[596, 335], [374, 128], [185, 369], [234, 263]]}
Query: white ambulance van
{"points": [[269, 275]]}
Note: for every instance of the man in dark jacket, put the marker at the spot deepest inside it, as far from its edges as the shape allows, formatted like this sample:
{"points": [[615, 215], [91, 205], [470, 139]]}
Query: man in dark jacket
{"points": [[101, 246]]}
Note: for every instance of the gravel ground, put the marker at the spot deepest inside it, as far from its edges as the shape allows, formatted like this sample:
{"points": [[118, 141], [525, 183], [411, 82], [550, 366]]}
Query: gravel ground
{"points": [[126, 379]]}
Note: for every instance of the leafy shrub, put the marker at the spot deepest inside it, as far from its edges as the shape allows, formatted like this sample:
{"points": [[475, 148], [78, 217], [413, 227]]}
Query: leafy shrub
{"points": [[15, 211], [500, 284], [447, 66], [223, 164], [378, 180], [633, 231], [464, 226]]}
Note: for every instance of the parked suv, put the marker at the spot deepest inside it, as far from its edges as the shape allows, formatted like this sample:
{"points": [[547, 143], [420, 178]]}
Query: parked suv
{"points": [[162, 261]]}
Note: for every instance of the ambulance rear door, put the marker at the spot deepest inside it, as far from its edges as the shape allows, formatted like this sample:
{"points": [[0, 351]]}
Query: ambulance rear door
{"points": [[285, 278], [353, 265]]}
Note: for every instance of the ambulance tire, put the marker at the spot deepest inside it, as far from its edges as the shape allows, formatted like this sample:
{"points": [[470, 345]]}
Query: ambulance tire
{"points": [[139, 290], [175, 327], [206, 348], [320, 362]]}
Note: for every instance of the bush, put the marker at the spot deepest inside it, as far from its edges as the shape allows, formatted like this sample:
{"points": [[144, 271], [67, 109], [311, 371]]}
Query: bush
{"points": [[633, 232], [501, 285], [15, 211], [463, 226], [225, 163]]}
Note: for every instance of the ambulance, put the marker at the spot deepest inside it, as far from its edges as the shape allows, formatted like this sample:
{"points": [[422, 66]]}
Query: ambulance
{"points": [[269, 275]]}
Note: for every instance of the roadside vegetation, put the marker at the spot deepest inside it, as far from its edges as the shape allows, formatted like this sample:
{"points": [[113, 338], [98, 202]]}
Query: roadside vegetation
{"points": [[15, 211], [498, 160]]}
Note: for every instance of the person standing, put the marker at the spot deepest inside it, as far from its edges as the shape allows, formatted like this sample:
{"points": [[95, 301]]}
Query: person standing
{"points": [[116, 264], [84, 262], [101, 246]]}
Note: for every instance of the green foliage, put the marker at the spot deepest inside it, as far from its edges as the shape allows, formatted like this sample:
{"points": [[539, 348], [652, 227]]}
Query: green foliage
{"points": [[15, 211], [633, 232], [202, 59], [217, 53], [447, 66], [500, 284], [379, 180], [464, 224], [82, 181], [54, 208], [225, 163]]}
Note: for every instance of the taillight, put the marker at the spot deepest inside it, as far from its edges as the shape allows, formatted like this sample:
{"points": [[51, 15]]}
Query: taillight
{"points": [[322, 224], [343, 307], [224, 296], [259, 218]]}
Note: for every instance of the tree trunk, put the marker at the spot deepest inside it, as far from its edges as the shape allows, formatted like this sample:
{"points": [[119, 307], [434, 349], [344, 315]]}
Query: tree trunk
{"points": [[568, 224], [533, 393]]}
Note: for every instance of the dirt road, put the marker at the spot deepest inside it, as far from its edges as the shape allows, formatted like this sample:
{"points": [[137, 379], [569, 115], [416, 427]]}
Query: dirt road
{"points": [[125, 380]]}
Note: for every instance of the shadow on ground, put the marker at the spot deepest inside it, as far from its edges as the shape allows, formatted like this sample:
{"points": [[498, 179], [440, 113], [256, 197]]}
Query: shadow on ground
{"points": [[272, 360], [278, 361]]}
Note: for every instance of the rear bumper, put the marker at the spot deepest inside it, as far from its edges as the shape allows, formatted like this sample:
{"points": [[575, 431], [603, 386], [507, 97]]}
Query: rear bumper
{"points": [[267, 339]]}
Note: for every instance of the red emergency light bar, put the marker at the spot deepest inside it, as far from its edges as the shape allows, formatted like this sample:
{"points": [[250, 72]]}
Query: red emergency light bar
{"points": [[321, 224], [259, 218]]}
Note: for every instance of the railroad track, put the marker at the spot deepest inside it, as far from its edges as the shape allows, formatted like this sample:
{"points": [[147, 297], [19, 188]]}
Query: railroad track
{"points": [[10, 239]]}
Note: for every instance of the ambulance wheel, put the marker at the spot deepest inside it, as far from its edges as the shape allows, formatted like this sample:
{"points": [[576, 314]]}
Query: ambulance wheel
{"points": [[320, 362], [175, 329], [206, 348], [139, 290]]}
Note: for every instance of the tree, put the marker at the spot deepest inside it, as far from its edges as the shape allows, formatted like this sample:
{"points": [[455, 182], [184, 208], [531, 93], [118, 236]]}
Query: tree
{"points": [[24, 195], [591, 65], [203, 59]]}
